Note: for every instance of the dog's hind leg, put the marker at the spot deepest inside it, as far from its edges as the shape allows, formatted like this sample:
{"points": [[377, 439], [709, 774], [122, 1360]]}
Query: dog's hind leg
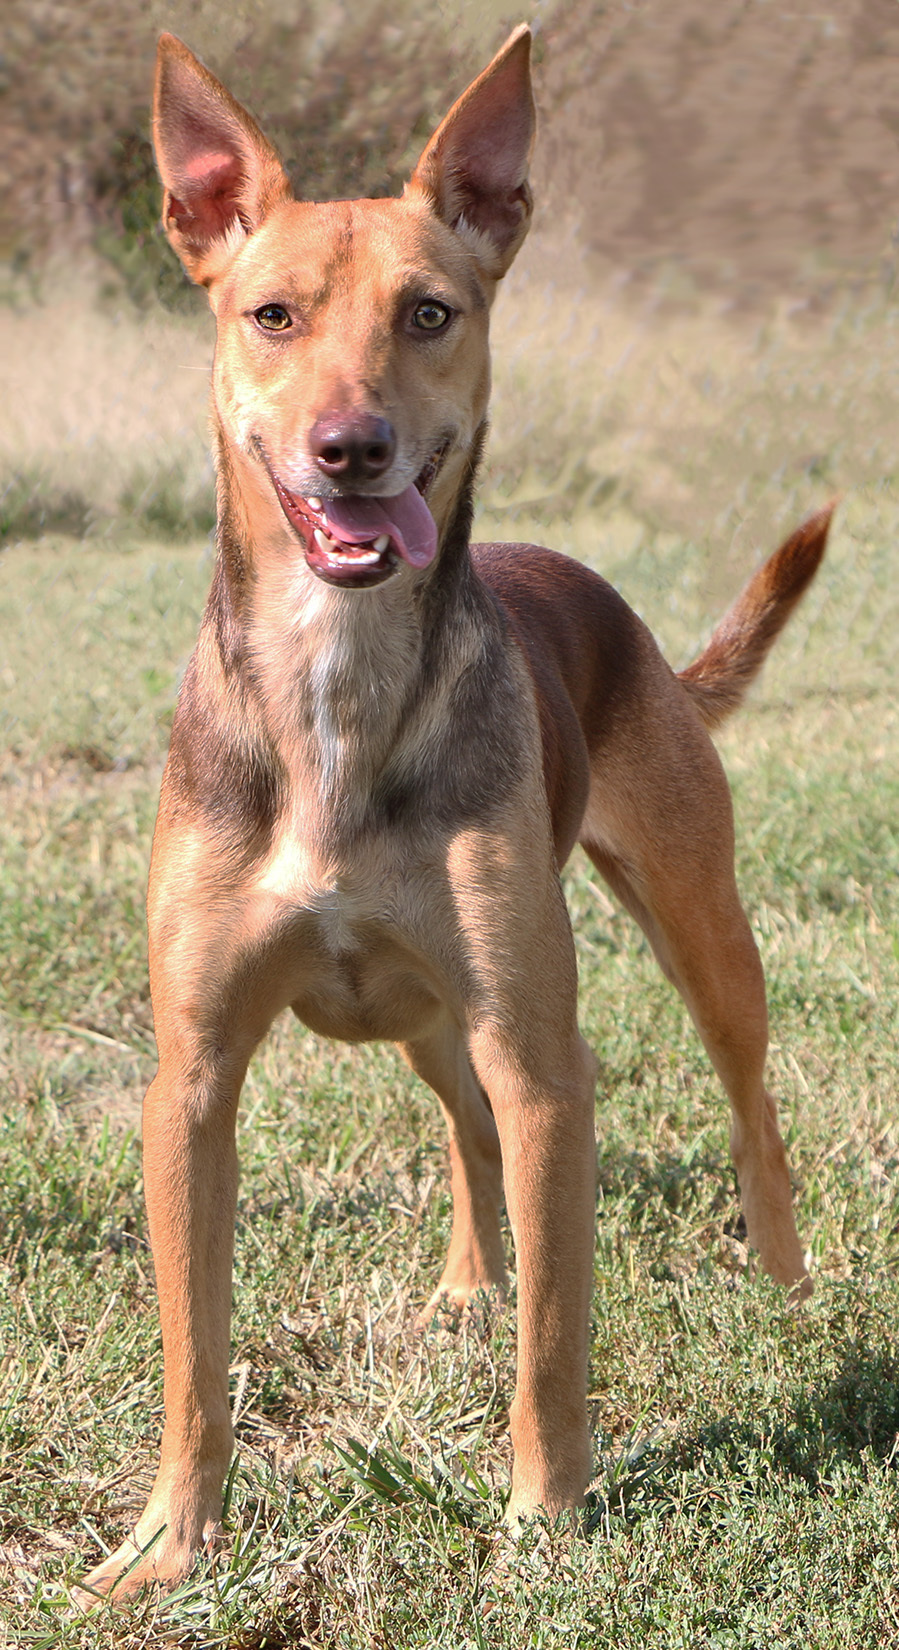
{"points": [[676, 878], [476, 1258]]}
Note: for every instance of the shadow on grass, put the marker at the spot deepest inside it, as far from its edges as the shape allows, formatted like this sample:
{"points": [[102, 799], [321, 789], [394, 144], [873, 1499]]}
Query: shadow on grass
{"points": [[854, 1415]]}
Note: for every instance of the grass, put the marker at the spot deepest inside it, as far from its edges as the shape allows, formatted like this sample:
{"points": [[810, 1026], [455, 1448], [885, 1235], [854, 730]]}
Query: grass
{"points": [[746, 1488]]}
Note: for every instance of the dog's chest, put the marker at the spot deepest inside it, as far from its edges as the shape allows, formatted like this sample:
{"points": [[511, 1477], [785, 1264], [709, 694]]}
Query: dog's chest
{"points": [[354, 940], [343, 915], [335, 904]]}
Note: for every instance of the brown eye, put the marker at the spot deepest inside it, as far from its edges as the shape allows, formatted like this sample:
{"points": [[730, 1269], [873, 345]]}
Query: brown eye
{"points": [[272, 318], [431, 315]]}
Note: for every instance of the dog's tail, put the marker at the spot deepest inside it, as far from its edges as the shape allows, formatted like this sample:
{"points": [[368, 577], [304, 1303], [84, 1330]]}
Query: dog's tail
{"points": [[717, 681]]}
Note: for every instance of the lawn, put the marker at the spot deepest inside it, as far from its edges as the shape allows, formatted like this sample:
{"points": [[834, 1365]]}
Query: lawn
{"points": [[746, 1489]]}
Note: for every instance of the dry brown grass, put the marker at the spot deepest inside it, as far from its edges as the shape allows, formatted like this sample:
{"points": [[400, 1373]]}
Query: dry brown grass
{"points": [[100, 404]]}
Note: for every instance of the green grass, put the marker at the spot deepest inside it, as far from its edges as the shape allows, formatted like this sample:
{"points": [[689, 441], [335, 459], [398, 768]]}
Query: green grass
{"points": [[746, 1489]]}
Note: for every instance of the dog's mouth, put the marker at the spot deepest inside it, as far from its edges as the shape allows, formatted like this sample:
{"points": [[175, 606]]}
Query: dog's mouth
{"points": [[356, 541]]}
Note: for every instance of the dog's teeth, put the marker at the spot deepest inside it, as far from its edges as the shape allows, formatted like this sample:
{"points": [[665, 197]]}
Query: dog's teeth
{"points": [[382, 543], [314, 503], [322, 540]]}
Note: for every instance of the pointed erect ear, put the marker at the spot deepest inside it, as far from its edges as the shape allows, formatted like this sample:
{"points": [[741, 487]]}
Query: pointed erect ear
{"points": [[221, 176], [474, 170]]}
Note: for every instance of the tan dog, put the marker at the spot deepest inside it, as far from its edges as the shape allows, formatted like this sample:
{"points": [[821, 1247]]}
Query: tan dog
{"points": [[386, 745]]}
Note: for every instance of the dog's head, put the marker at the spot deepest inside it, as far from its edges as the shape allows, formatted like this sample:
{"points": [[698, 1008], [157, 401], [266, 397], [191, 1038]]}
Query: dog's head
{"points": [[352, 368]]}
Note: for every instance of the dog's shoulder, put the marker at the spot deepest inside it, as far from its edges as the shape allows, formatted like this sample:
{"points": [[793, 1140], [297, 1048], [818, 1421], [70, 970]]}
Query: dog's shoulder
{"points": [[564, 615], [586, 652], [220, 763]]}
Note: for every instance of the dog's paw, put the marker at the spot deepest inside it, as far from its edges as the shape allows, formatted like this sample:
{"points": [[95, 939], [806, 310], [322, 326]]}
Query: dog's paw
{"points": [[138, 1564]]}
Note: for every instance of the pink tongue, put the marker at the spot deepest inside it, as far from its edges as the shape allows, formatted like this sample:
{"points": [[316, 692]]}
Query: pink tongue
{"points": [[412, 528]]}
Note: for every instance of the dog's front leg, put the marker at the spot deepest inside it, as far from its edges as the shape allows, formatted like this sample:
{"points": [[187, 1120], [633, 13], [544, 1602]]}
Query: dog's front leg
{"points": [[539, 1074], [545, 1123], [190, 1173]]}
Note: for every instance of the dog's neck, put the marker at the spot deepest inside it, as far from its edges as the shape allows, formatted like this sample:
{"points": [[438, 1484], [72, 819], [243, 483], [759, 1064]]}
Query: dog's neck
{"points": [[343, 682]]}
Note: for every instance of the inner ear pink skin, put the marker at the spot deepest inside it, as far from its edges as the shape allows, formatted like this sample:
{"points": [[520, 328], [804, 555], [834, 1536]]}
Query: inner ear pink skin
{"points": [[204, 167]]}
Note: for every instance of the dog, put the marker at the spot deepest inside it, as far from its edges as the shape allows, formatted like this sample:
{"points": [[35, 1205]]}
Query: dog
{"points": [[387, 742]]}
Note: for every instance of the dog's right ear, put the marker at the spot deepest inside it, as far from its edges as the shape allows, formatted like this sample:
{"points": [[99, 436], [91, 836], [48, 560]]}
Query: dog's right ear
{"points": [[220, 175], [474, 171]]}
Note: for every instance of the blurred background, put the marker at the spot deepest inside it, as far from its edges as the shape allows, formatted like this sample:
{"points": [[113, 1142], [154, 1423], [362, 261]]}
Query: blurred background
{"points": [[713, 254]]}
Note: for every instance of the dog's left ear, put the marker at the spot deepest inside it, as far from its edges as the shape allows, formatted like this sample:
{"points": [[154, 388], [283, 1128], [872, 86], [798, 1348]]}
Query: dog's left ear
{"points": [[474, 170]]}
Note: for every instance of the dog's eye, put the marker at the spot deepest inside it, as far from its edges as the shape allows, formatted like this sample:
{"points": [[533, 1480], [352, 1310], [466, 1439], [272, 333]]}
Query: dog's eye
{"points": [[272, 318], [431, 315]]}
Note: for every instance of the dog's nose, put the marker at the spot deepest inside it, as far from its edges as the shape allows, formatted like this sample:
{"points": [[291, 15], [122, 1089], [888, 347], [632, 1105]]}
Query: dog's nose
{"points": [[354, 447]]}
